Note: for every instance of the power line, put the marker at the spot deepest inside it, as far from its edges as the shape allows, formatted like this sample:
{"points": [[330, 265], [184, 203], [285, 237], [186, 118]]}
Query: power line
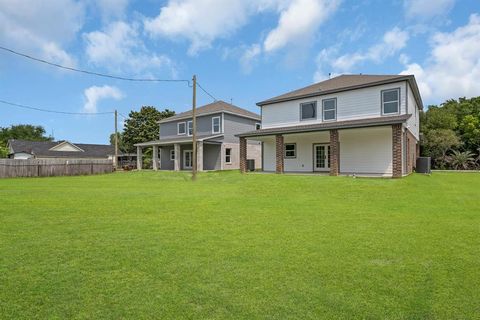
{"points": [[92, 72], [53, 111], [208, 93]]}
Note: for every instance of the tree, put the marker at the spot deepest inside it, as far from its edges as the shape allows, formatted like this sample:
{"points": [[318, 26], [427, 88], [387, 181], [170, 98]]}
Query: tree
{"points": [[3, 151], [142, 126], [23, 132], [121, 144], [461, 160], [437, 143], [469, 130]]}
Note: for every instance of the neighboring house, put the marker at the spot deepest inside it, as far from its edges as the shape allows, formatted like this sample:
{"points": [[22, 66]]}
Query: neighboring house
{"points": [[23, 149], [218, 148], [350, 124]]}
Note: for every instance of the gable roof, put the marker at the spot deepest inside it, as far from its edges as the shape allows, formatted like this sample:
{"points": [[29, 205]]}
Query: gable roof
{"points": [[345, 83], [215, 107], [44, 149]]}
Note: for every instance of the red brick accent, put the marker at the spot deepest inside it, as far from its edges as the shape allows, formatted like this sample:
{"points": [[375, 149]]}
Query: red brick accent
{"points": [[243, 155], [334, 153], [397, 150], [411, 145], [279, 147]]}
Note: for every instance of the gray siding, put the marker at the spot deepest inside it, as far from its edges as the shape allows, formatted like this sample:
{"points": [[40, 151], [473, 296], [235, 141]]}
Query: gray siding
{"points": [[235, 125], [166, 163], [212, 156], [204, 126]]}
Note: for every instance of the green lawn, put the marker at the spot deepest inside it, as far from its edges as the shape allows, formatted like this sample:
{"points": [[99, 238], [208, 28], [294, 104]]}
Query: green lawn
{"points": [[155, 245]]}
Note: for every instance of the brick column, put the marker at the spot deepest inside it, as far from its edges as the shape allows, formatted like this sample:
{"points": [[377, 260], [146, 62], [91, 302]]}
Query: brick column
{"points": [[334, 153], [200, 156], [155, 158], [139, 158], [279, 149], [243, 155], [397, 150]]}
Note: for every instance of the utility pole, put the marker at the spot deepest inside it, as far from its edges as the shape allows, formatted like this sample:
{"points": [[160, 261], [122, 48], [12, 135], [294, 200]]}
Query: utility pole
{"points": [[115, 161], [194, 128]]}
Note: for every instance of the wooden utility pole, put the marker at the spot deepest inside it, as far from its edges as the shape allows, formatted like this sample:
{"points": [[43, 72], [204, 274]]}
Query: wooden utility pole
{"points": [[194, 129], [115, 161]]}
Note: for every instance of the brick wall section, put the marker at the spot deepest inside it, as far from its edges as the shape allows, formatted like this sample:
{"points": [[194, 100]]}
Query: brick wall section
{"points": [[397, 150], [279, 146], [411, 144], [243, 155], [334, 153]]}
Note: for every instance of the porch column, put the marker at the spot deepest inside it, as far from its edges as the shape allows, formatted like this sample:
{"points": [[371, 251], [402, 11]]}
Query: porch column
{"points": [[334, 153], [139, 158], [397, 150], [279, 146], [176, 162], [243, 155], [200, 156], [155, 158]]}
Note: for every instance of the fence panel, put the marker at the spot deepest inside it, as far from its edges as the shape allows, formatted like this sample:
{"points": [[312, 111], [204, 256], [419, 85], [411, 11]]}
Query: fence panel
{"points": [[11, 168]]}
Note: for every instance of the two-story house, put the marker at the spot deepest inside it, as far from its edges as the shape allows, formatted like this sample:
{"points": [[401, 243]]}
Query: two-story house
{"points": [[350, 124], [217, 146]]}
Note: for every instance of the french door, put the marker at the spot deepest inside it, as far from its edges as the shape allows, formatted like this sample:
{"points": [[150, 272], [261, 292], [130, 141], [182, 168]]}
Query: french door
{"points": [[321, 157], [187, 159]]}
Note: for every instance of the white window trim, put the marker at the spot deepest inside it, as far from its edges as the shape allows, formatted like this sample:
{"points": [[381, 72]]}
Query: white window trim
{"points": [[178, 128], [230, 156], [323, 110], [172, 153], [188, 125], [383, 102], [219, 125], [259, 126], [285, 151]]}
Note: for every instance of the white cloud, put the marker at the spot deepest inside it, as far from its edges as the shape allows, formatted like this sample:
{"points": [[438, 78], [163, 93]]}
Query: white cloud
{"points": [[249, 56], [94, 94], [119, 47], [203, 21], [452, 69], [111, 8], [33, 26], [299, 22], [427, 9]]}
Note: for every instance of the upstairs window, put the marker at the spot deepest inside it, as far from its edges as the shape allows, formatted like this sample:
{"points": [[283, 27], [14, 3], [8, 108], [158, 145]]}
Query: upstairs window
{"points": [[228, 155], [308, 110], [190, 127], [181, 128], [216, 125], [290, 150], [258, 126], [329, 109], [391, 101]]}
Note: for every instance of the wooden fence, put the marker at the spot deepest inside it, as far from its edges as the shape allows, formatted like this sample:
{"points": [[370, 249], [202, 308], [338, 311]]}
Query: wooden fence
{"points": [[11, 168]]}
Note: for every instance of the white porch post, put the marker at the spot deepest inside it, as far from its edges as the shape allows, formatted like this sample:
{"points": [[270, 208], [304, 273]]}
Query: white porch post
{"points": [[200, 156], [155, 158], [176, 162], [139, 158]]}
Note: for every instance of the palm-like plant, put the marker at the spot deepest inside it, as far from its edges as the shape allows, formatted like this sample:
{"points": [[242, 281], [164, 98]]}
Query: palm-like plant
{"points": [[461, 160]]}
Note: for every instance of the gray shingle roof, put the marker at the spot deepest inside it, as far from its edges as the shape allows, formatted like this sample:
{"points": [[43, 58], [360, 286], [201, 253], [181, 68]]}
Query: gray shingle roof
{"points": [[42, 149], [345, 83], [217, 106], [359, 123]]}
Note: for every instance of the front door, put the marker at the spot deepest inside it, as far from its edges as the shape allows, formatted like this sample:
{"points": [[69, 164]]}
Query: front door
{"points": [[321, 157], [187, 159]]}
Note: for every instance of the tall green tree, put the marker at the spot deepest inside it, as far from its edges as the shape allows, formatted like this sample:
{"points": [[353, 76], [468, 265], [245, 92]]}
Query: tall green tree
{"points": [[121, 144], [142, 126], [21, 132]]}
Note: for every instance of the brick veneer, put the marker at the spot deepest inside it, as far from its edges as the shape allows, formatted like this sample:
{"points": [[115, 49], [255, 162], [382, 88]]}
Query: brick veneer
{"points": [[334, 153], [397, 150], [243, 155], [411, 144], [279, 147]]}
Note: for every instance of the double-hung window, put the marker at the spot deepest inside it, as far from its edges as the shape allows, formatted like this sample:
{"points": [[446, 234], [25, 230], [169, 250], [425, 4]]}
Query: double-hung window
{"points": [[290, 150], [190, 128], [181, 128], [216, 125], [228, 155], [258, 126], [329, 109], [391, 101], [172, 155], [308, 110]]}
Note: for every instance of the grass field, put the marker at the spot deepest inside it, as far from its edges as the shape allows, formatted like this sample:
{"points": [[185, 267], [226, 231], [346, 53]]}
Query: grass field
{"points": [[155, 245]]}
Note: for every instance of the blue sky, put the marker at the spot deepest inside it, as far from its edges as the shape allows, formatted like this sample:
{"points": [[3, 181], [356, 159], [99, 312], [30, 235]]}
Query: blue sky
{"points": [[240, 50]]}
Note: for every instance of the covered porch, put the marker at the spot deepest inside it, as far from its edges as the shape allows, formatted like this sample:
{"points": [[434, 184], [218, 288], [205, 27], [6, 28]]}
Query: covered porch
{"points": [[371, 147]]}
